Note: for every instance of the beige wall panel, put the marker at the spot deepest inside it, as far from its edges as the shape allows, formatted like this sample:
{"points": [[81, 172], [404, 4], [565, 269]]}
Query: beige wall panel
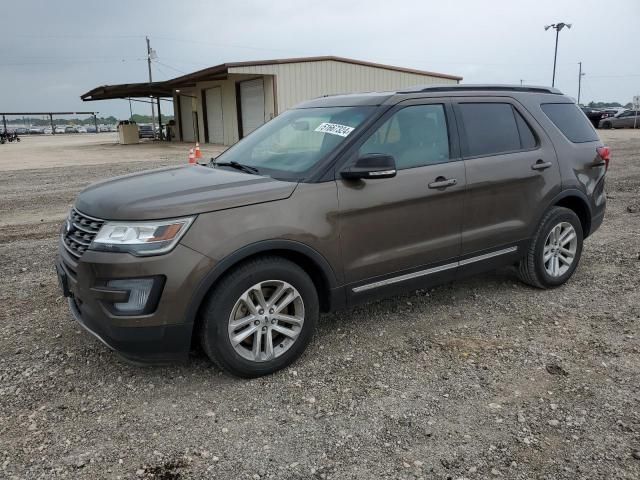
{"points": [[297, 82]]}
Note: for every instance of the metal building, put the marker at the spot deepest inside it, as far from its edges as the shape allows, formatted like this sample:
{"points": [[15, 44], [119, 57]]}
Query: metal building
{"points": [[221, 104]]}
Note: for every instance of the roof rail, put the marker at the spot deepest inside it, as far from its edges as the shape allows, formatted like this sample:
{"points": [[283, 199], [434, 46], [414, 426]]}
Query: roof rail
{"points": [[484, 88]]}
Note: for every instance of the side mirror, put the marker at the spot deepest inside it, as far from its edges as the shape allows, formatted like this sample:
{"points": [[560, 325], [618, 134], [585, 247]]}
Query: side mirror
{"points": [[371, 166]]}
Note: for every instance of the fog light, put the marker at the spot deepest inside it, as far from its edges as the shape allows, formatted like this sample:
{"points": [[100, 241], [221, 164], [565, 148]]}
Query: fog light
{"points": [[139, 291]]}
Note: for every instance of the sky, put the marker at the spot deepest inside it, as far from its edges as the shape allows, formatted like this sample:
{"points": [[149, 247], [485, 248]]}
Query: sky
{"points": [[54, 51]]}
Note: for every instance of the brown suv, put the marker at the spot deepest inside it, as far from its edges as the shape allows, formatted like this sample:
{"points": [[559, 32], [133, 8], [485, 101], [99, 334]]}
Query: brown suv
{"points": [[341, 200]]}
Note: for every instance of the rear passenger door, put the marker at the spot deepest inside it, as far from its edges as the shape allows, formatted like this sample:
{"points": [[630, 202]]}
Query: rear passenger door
{"points": [[511, 169]]}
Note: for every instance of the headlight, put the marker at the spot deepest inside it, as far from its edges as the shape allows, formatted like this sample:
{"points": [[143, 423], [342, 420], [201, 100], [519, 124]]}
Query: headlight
{"points": [[141, 238]]}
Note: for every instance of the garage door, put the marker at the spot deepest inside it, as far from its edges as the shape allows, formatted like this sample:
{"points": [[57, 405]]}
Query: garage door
{"points": [[213, 98], [186, 119], [251, 105]]}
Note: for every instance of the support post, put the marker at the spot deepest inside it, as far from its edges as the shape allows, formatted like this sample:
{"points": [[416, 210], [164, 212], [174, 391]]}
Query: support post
{"points": [[95, 122], [4, 122], [161, 133], [53, 127]]}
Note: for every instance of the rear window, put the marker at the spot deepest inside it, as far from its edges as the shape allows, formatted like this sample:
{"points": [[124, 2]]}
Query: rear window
{"points": [[571, 121]]}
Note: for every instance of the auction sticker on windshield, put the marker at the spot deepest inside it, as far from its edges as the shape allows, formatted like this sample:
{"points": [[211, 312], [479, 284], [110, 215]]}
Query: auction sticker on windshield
{"points": [[334, 129]]}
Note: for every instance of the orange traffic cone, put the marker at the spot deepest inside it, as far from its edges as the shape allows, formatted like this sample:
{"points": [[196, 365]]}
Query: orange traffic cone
{"points": [[198, 152], [192, 157]]}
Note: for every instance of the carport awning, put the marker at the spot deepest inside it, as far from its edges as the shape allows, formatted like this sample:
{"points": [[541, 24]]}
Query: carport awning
{"points": [[127, 90]]}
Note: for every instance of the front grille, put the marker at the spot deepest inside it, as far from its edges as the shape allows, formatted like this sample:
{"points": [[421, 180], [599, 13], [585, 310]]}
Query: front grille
{"points": [[80, 232]]}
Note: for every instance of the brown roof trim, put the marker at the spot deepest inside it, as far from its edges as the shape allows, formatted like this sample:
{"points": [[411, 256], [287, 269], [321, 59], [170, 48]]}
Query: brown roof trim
{"points": [[224, 67]]}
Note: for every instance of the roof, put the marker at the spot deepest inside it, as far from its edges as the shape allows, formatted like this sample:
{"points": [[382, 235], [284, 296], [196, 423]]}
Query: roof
{"points": [[224, 68], [482, 87], [379, 98], [164, 89], [146, 89]]}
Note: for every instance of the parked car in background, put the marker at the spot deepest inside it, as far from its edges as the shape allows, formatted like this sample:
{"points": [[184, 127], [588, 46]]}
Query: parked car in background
{"points": [[593, 114], [59, 129], [47, 131], [626, 119], [91, 129], [103, 128], [33, 130], [81, 129], [22, 131], [70, 129], [146, 131], [341, 200]]}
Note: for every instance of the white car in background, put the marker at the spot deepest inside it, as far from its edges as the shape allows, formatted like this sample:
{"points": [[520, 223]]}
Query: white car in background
{"points": [[81, 129]]}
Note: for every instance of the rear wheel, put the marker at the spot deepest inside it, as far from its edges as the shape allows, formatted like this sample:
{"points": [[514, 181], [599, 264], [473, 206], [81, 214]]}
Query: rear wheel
{"points": [[555, 250], [606, 125], [260, 317]]}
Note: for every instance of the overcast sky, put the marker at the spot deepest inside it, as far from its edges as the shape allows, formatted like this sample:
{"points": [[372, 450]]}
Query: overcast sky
{"points": [[53, 51]]}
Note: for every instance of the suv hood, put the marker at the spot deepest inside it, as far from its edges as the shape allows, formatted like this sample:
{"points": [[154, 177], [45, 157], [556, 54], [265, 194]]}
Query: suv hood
{"points": [[177, 192]]}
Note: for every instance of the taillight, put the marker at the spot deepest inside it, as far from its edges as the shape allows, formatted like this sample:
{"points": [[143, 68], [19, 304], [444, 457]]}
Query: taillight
{"points": [[605, 154]]}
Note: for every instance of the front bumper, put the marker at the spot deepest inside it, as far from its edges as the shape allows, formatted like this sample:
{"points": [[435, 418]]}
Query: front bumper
{"points": [[161, 336]]}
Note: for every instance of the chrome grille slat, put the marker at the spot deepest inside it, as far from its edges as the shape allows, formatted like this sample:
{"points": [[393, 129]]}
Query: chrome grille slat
{"points": [[82, 232], [85, 228]]}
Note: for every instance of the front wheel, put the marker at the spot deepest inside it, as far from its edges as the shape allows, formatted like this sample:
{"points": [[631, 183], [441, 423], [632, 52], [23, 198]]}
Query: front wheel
{"points": [[260, 317], [555, 250]]}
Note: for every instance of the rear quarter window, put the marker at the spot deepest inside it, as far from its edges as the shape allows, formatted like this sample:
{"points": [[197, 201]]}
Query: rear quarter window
{"points": [[571, 121]]}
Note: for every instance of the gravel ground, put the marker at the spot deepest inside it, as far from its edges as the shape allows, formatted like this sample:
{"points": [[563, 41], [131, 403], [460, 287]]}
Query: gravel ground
{"points": [[484, 378]]}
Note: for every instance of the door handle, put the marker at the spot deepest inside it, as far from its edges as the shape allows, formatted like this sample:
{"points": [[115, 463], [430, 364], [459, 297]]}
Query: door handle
{"points": [[442, 182], [541, 165]]}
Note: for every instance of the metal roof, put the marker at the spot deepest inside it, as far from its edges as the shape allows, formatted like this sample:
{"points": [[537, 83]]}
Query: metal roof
{"points": [[224, 68], [165, 89], [147, 89]]}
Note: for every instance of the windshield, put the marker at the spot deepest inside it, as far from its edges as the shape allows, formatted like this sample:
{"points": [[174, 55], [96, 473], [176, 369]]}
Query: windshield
{"points": [[294, 142]]}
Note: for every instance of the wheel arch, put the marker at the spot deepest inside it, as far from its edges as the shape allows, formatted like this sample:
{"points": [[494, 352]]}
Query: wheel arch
{"points": [[312, 262], [576, 201]]}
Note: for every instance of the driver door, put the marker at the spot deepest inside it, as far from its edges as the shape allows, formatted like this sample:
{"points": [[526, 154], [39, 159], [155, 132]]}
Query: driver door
{"points": [[405, 231]]}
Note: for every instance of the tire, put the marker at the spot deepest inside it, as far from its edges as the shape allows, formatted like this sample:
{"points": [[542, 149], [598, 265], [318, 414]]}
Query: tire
{"points": [[227, 299], [533, 269], [606, 125]]}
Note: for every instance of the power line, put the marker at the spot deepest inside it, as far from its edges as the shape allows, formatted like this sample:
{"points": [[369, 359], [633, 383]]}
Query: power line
{"points": [[168, 66], [74, 35], [71, 62]]}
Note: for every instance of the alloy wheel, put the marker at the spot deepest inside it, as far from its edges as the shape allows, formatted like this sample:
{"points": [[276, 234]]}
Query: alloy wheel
{"points": [[560, 249], [266, 320]]}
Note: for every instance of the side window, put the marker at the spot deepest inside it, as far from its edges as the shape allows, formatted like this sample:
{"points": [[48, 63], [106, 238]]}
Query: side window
{"points": [[415, 136], [490, 128], [527, 137]]}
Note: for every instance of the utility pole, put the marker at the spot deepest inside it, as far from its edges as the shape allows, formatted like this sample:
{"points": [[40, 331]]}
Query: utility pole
{"points": [[153, 110], [521, 81], [580, 75]]}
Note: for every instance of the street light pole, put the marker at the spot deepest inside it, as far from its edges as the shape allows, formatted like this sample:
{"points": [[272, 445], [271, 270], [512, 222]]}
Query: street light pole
{"points": [[555, 58], [557, 27], [580, 75]]}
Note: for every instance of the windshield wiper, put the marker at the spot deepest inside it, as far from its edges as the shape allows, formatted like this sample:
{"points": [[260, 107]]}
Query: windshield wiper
{"points": [[236, 165]]}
